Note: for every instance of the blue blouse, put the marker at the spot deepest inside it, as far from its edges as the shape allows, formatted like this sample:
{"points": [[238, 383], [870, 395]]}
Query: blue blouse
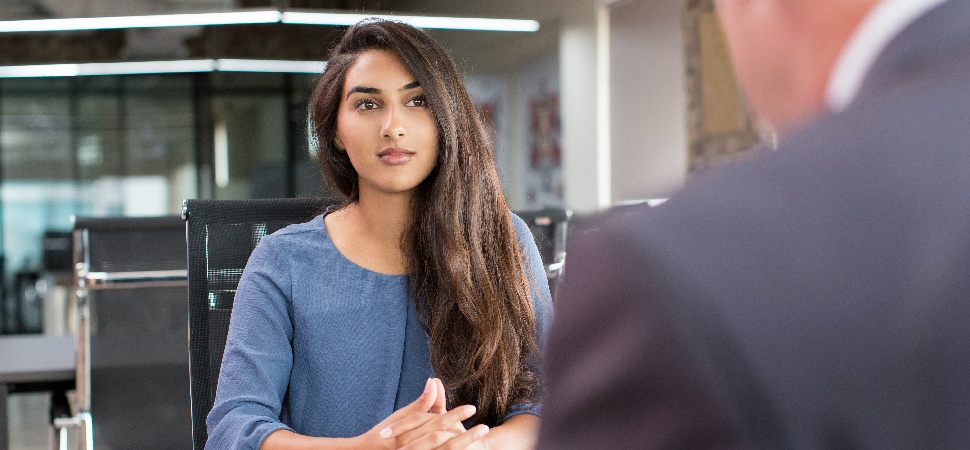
{"points": [[323, 347]]}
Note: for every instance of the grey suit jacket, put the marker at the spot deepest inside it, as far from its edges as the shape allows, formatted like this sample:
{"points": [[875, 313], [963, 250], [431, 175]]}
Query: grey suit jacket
{"points": [[817, 296]]}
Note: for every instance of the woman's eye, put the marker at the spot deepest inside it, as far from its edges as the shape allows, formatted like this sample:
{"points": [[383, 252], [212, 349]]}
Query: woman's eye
{"points": [[367, 104], [419, 102]]}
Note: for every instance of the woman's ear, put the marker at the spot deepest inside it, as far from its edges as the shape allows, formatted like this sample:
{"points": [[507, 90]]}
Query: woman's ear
{"points": [[337, 143]]}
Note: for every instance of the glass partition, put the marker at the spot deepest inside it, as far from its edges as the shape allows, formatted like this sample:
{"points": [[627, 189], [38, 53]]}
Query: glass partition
{"points": [[136, 146]]}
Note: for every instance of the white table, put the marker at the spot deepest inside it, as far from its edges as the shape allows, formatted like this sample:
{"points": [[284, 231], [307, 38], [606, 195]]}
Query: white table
{"points": [[33, 363]]}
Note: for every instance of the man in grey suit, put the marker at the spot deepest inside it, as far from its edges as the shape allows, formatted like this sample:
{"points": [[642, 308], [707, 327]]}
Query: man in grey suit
{"points": [[816, 296]]}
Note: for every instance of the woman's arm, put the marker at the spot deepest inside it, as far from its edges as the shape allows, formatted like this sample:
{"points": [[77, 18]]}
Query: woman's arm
{"points": [[286, 439], [257, 361], [518, 432]]}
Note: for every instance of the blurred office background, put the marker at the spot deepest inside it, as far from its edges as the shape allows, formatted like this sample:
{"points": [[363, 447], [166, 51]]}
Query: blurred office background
{"points": [[608, 102]]}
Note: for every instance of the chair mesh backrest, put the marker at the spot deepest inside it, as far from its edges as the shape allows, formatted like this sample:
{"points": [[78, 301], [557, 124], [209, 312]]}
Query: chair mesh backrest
{"points": [[139, 365], [221, 234]]}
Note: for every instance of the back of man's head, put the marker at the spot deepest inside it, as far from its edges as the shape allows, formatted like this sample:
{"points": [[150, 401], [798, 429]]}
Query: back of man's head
{"points": [[784, 51]]}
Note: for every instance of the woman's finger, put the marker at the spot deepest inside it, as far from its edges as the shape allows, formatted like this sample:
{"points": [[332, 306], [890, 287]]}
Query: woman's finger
{"points": [[408, 427], [444, 440], [449, 422], [471, 439], [441, 401], [422, 404]]}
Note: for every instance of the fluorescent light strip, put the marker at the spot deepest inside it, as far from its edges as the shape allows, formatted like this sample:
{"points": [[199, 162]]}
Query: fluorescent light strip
{"points": [[161, 67], [46, 70], [266, 65], [153, 21], [454, 23], [257, 17], [145, 67]]}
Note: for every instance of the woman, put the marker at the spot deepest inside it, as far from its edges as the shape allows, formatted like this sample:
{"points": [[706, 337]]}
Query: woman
{"points": [[339, 323]]}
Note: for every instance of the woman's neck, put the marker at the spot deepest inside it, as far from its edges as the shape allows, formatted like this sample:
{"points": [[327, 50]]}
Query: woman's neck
{"points": [[384, 216], [368, 232]]}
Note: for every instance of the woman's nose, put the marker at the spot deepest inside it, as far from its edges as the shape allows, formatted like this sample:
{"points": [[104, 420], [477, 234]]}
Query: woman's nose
{"points": [[393, 124]]}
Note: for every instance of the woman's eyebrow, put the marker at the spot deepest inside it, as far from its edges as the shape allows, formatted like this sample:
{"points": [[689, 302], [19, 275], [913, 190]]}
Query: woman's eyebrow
{"points": [[364, 90], [373, 90]]}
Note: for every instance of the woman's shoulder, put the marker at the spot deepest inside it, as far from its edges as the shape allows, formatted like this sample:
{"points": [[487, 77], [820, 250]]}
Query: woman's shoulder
{"points": [[294, 238], [298, 231], [521, 228]]}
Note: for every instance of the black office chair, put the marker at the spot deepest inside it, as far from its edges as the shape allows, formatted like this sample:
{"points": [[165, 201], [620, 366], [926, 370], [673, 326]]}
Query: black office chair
{"points": [[132, 368], [549, 227], [220, 235]]}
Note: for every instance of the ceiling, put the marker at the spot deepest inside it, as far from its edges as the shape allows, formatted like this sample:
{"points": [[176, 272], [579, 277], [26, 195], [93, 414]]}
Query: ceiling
{"points": [[43, 9], [475, 50]]}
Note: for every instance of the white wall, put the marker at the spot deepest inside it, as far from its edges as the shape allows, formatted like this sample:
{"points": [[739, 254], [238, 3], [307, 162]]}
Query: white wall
{"points": [[623, 100], [585, 154], [622, 91], [648, 103]]}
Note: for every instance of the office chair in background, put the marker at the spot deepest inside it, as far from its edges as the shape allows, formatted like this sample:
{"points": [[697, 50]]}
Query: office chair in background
{"points": [[130, 309], [549, 227]]}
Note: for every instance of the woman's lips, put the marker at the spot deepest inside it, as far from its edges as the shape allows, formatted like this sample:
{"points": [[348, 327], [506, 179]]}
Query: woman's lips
{"points": [[395, 156]]}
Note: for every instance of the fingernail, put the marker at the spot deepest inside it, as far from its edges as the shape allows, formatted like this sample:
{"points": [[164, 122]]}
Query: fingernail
{"points": [[386, 433], [427, 384], [482, 430]]}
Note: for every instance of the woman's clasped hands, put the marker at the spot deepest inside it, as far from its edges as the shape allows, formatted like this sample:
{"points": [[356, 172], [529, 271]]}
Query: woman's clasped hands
{"points": [[426, 424]]}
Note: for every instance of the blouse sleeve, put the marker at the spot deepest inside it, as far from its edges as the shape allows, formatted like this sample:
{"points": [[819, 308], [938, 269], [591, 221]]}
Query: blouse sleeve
{"points": [[258, 356], [542, 305]]}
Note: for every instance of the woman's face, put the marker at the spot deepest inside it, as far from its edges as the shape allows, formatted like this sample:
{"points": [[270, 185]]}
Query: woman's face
{"points": [[385, 125]]}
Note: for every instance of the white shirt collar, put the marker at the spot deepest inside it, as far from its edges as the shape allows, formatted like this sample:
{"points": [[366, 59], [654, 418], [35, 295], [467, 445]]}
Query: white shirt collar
{"points": [[880, 26]]}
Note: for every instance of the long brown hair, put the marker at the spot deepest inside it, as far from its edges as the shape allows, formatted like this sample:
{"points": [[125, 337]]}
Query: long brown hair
{"points": [[469, 284]]}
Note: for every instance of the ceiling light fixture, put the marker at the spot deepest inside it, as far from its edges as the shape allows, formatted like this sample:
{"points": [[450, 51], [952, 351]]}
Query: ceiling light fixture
{"points": [[161, 67], [152, 21], [259, 17], [451, 23]]}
